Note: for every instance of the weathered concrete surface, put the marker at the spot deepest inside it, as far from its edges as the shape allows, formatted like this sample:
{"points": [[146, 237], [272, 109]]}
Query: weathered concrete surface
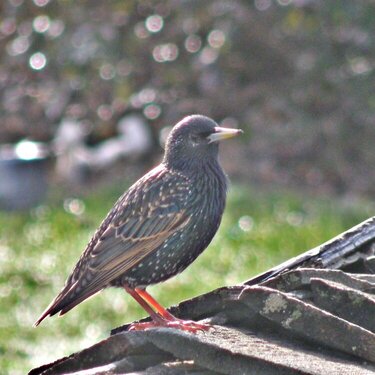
{"points": [[125, 353], [262, 331], [347, 303], [221, 350], [301, 278], [310, 322], [236, 351], [299, 321]]}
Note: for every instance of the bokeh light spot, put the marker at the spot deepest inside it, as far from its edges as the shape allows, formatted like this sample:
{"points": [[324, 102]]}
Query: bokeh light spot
{"points": [[216, 38], [154, 23], [27, 150], [41, 3], [208, 55], [38, 61], [140, 31], [18, 46], [262, 4], [294, 218], [107, 72], [41, 24], [74, 206], [246, 223], [8, 26], [193, 43], [165, 52], [360, 65], [152, 111], [56, 28], [147, 95], [135, 101], [105, 112]]}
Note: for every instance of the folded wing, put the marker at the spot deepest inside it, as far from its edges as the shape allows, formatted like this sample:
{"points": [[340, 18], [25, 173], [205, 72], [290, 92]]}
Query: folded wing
{"points": [[137, 225]]}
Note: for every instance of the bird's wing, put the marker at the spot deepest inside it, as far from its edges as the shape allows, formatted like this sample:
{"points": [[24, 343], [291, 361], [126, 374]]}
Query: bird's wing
{"points": [[124, 244], [149, 213], [144, 219]]}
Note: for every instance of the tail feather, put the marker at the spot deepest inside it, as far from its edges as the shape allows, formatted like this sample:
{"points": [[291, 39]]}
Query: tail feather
{"points": [[51, 310], [64, 302], [77, 300]]}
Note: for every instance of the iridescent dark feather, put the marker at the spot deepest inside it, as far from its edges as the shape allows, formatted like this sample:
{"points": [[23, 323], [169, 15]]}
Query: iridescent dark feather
{"points": [[158, 227]]}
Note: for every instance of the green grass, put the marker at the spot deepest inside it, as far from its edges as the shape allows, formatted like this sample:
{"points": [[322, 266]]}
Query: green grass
{"points": [[38, 250]]}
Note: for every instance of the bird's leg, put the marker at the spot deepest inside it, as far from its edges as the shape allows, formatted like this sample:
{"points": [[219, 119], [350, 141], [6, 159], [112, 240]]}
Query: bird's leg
{"points": [[155, 316], [154, 304], [160, 316]]}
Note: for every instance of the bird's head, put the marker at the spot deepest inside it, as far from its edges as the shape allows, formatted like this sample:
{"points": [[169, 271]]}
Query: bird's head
{"points": [[194, 141]]}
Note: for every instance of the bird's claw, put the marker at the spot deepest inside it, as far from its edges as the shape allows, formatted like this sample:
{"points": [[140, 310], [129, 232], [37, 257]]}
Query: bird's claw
{"points": [[184, 325]]}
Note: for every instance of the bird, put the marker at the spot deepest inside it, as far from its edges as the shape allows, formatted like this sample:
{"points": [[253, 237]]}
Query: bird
{"points": [[158, 227]]}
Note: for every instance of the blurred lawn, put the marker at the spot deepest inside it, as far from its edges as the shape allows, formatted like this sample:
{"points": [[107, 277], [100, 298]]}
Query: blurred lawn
{"points": [[38, 250]]}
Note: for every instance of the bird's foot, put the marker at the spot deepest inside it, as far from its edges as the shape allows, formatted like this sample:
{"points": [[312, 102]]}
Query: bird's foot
{"points": [[184, 325], [160, 316]]}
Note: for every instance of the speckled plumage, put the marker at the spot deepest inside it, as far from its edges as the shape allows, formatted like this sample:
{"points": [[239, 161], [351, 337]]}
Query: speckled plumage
{"points": [[160, 225]]}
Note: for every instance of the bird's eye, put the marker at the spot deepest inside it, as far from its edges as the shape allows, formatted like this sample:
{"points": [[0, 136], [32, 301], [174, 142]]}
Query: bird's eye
{"points": [[198, 138]]}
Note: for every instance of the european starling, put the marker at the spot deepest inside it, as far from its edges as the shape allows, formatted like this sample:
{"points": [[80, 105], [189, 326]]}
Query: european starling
{"points": [[158, 227]]}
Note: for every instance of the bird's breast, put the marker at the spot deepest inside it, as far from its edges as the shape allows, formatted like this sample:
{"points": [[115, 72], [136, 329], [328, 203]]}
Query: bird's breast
{"points": [[203, 202], [210, 186]]}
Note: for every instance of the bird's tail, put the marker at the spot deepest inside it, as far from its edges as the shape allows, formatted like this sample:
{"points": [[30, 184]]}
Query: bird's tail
{"points": [[65, 301]]}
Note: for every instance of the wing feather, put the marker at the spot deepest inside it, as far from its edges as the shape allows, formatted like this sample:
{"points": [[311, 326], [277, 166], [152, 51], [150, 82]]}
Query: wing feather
{"points": [[150, 212]]}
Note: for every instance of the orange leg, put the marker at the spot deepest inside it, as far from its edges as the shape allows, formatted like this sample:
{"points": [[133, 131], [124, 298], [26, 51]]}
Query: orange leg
{"points": [[133, 292], [160, 316], [154, 304]]}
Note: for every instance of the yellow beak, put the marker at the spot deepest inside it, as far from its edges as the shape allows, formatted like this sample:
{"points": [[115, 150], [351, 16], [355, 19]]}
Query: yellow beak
{"points": [[223, 133]]}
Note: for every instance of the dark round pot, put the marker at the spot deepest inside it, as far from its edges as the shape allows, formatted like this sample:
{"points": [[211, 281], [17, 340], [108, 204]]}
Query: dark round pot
{"points": [[23, 179]]}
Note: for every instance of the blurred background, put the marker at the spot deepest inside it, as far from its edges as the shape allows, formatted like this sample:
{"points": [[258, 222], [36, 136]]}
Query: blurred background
{"points": [[88, 93]]}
